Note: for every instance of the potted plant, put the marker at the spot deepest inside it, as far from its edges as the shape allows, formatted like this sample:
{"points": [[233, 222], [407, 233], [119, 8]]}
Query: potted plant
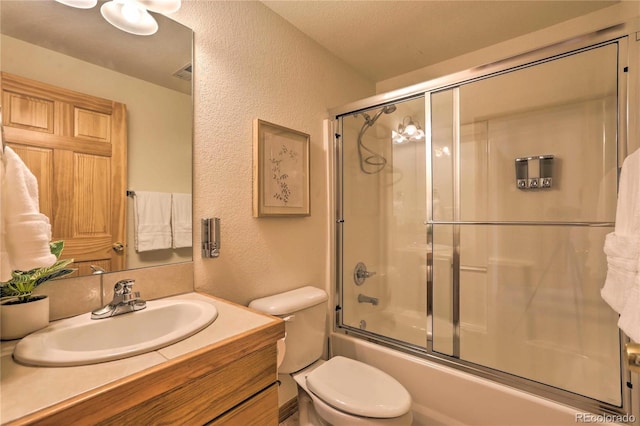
{"points": [[21, 312]]}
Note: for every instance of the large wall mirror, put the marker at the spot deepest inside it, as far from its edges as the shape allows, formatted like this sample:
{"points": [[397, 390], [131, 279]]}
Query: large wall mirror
{"points": [[77, 50]]}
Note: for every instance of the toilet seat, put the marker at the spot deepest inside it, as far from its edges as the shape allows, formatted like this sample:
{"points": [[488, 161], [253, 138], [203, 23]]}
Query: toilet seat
{"points": [[359, 389]]}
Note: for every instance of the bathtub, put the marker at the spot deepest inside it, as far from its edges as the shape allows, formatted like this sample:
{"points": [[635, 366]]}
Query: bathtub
{"points": [[445, 396], [407, 326]]}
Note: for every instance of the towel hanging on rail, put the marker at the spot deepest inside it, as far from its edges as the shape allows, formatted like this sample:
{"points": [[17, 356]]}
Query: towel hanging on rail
{"points": [[181, 219], [621, 289], [152, 220]]}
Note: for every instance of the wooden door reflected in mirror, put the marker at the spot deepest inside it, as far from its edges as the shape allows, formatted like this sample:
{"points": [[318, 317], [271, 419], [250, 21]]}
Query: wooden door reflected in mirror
{"points": [[75, 145]]}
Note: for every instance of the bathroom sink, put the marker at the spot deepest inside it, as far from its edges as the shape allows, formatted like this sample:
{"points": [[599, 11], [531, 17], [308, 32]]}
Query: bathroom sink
{"points": [[81, 340]]}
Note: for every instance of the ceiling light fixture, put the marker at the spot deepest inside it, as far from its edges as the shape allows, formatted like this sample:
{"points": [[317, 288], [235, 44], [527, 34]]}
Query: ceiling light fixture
{"points": [[408, 131], [131, 16], [442, 151]]}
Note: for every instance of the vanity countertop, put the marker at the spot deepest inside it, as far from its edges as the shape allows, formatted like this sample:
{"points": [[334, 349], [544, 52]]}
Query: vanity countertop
{"points": [[26, 390]]}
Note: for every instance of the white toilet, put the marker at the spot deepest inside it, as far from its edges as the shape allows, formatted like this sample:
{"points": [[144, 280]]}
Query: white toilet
{"points": [[337, 392]]}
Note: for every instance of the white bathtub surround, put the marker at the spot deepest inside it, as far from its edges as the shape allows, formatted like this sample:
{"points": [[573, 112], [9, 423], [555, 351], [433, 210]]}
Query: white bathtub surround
{"points": [[444, 396]]}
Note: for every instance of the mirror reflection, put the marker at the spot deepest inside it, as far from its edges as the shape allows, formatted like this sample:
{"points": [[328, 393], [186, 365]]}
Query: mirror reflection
{"points": [[103, 118]]}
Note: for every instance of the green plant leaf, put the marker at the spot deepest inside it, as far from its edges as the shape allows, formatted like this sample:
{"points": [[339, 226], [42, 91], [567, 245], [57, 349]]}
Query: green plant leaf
{"points": [[22, 283], [53, 275], [56, 248]]}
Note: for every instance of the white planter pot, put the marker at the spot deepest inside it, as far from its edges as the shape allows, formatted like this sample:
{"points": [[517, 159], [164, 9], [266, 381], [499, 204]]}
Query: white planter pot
{"points": [[16, 321]]}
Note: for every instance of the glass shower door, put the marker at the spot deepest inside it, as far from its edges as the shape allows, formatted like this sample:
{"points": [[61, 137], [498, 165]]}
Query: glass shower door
{"points": [[524, 175], [382, 222]]}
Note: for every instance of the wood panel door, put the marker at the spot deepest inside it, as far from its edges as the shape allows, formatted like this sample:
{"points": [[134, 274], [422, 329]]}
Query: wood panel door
{"points": [[76, 146]]}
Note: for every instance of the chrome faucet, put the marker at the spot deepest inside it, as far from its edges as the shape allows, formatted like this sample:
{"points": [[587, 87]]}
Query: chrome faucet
{"points": [[367, 299], [124, 301], [97, 270]]}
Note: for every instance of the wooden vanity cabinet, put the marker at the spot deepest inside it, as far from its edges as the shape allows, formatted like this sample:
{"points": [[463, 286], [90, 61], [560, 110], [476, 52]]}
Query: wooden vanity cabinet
{"points": [[233, 382]]}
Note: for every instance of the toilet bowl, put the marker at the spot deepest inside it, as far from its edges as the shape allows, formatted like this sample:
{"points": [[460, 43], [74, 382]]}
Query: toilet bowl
{"points": [[344, 391], [340, 391]]}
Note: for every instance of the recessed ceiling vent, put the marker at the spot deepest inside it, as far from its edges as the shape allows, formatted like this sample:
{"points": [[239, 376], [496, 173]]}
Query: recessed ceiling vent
{"points": [[184, 73]]}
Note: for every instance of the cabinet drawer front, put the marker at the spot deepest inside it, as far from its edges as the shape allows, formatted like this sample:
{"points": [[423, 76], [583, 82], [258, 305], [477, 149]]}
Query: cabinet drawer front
{"points": [[208, 396], [261, 410]]}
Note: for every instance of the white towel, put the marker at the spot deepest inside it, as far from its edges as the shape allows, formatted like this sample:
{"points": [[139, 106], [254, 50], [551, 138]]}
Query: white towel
{"points": [[622, 262], [629, 321], [22, 186], [27, 239], [27, 232], [621, 289], [152, 217], [181, 219]]}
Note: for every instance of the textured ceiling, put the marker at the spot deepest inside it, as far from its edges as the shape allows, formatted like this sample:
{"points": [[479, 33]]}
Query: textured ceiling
{"points": [[383, 39]]}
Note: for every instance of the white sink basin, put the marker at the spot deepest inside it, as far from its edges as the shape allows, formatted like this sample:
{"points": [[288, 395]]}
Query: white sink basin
{"points": [[81, 340]]}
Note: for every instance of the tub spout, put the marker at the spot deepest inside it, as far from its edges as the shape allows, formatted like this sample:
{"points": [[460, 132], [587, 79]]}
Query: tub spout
{"points": [[367, 299]]}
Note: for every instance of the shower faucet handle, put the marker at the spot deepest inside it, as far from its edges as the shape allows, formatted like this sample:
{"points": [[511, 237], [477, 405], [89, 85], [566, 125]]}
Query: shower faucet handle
{"points": [[360, 273]]}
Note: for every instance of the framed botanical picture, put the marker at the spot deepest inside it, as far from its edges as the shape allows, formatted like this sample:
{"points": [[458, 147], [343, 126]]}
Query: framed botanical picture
{"points": [[280, 171]]}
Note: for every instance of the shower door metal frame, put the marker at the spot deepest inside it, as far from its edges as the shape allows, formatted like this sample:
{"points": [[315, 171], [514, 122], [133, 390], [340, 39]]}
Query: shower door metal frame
{"points": [[621, 35]]}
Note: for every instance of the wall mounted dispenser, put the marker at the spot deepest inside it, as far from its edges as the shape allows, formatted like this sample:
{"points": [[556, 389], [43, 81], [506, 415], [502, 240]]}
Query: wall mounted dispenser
{"points": [[522, 175], [211, 237], [534, 172]]}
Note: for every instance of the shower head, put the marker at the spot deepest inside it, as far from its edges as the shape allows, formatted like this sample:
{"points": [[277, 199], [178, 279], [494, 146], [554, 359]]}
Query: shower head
{"points": [[387, 109]]}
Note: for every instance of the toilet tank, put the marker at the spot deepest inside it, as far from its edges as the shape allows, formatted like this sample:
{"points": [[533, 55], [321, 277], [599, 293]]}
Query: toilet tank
{"points": [[305, 313]]}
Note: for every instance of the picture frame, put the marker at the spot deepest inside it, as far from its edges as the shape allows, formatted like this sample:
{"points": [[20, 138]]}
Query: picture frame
{"points": [[281, 180]]}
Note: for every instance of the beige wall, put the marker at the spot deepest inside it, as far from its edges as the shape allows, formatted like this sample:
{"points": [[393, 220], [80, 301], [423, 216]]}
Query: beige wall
{"points": [[159, 125], [250, 63]]}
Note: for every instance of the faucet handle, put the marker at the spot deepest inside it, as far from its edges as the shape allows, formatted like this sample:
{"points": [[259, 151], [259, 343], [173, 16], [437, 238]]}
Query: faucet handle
{"points": [[360, 273], [131, 296], [123, 287]]}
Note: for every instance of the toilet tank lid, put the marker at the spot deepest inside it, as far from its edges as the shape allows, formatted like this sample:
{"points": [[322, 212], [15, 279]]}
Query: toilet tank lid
{"points": [[290, 301]]}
